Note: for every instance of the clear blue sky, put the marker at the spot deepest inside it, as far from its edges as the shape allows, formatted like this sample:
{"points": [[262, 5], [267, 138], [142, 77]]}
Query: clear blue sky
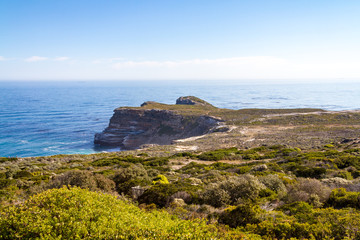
{"points": [[196, 39]]}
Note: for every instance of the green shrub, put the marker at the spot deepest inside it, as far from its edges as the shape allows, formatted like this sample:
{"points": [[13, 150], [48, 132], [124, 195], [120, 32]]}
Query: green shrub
{"points": [[156, 161], [301, 210], [12, 171], [242, 215], [252, 156], [161, 194], [131, 172], [81, 214], [310, 172], [83, 179], [220, 166], [305, 188], [243, 169], [193, 168], [184, 154], [143, 154], [274, 183], [23, 174], [348, 161], [308, 223], [4, 183], [160, 179], [329, 146], [116, 160], [158, 194], [289, 151], [345, 175], [5, 159], [152, 172], [244, 187], [126, 178], [340, 198], [216, 197], [267, 193], [212, 176], [217, 155], [124, 161]]}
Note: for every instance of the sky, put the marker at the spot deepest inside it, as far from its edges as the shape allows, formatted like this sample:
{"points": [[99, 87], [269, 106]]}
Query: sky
{"points": [[236, 40]]}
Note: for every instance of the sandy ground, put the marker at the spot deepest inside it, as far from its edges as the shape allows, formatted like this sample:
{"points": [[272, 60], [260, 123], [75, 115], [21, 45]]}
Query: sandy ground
{"points": [[175, 163]]}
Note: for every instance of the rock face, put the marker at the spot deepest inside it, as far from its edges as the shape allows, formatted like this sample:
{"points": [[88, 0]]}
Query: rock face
{"points": [[129, 128], [191, 100]]}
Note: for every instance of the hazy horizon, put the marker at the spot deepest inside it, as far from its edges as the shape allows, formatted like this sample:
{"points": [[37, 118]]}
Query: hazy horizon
{"points": [[151, 82]]}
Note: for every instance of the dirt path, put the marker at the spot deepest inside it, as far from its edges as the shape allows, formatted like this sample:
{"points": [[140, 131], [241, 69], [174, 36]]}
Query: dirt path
{"points": [[174, 164], [310, 113]]}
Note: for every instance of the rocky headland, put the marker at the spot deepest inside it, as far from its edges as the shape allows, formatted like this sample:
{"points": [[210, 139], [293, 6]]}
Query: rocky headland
{"points": [[194, 124], [129, 128]]}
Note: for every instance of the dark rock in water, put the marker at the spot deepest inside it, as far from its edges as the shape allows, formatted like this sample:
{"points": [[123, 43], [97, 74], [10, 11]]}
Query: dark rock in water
{"points": [[129, 128]]}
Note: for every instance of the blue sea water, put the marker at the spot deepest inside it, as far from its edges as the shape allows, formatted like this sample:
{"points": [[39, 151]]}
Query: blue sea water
{"points": [[48, 118]]}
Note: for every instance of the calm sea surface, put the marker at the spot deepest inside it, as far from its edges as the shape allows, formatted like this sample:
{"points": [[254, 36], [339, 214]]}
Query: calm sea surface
{"points": [[48, 118]]}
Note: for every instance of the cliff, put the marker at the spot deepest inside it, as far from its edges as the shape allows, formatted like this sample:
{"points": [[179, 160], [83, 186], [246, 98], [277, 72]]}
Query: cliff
{"points": [[154, 123]]}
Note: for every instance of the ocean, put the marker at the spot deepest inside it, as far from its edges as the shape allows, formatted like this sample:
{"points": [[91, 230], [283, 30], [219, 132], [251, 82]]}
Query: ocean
{"points": [[49, 118]]}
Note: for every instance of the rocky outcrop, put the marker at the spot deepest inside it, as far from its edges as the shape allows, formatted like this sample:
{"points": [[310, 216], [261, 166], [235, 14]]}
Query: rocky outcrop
{"points": [[129, 128], [191, 100], [148, 103]]}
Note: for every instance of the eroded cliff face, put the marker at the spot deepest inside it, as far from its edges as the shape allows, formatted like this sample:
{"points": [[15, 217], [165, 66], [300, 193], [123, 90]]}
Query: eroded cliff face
{"points": [[130, 128]]}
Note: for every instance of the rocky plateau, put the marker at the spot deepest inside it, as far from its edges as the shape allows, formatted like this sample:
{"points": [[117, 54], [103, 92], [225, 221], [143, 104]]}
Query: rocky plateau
{"points": [[130, 128]]}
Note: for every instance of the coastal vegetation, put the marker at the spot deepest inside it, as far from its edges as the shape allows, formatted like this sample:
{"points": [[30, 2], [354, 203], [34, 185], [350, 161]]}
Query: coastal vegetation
{"points": [[257, 174], [265, 192]]}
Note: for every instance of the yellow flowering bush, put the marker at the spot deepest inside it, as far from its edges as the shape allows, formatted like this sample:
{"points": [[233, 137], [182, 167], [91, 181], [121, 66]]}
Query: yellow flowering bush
{"points": [[77, 213]]}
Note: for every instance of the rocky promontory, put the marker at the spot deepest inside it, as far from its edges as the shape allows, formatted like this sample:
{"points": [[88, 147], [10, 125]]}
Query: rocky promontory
{"points": [[162, 124], [156, 123]]}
